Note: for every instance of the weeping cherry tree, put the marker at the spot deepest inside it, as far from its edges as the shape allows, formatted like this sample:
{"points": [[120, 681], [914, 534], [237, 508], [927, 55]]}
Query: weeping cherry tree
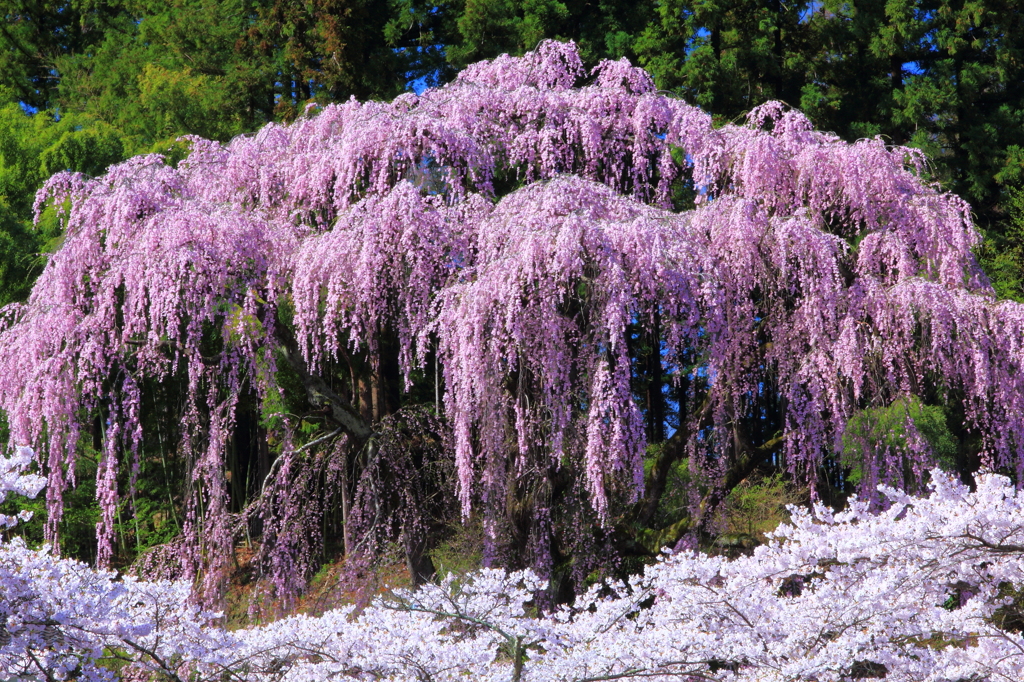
{"points": [[524, 297]]}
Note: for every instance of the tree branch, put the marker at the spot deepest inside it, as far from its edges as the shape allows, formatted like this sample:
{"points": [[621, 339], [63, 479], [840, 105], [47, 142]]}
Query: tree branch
{"points": [[317, 390]]}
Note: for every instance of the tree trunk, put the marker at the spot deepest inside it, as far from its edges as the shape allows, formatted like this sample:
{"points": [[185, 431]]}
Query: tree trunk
{"points": [[655, 385]]}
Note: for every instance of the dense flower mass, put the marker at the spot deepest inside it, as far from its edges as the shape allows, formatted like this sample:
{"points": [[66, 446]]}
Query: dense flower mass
{"points": [[927, 591], [516, 227]]}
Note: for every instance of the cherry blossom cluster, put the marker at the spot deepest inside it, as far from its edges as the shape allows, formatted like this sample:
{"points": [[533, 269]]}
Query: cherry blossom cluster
{"points": [[926, 591]]}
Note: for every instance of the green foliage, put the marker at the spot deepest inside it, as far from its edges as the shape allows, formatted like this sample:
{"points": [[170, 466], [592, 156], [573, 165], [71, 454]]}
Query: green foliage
{"points": [[603, 29], [32, 148], [164, 69], [462, 551], [35, 32], [88, 150], [156, 70], [18, 247], [505, 26], [884, 430], [946, 77], [328, 50], [173, 100], [675, 502], [1002, 253], [758, 505], [147, 516], [727, 56]]}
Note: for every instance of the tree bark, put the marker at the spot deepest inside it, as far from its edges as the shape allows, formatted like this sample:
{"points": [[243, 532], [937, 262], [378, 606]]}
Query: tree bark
{"points": [[655, 385]]}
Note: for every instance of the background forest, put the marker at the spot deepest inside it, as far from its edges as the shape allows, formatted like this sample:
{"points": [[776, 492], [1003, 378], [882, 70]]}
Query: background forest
{"points": [[86, 84]]}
